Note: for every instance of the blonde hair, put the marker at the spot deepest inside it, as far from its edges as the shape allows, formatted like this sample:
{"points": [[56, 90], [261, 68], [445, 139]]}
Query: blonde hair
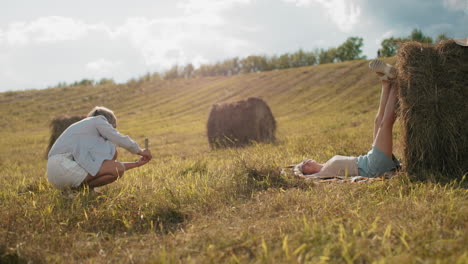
{"points": [[105, 112]]}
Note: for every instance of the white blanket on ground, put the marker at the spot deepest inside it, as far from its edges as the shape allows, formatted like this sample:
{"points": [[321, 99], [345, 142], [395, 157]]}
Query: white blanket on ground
{"points": [[338, 179]]}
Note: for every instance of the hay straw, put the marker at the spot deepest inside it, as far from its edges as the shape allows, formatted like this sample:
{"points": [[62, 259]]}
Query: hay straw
{"points": [[433, 99], [240, 123]]}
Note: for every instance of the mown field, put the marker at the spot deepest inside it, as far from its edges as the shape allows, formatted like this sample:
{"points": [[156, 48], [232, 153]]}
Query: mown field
{"points": [[195, 205]]}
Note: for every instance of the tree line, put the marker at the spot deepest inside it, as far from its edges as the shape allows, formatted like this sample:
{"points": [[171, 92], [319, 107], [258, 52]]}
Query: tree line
{"points": [[351, 49], [389, 46]]}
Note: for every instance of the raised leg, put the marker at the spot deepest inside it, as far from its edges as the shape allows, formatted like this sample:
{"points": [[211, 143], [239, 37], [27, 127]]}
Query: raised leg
{"points": [[383, 138], [383, 102]]}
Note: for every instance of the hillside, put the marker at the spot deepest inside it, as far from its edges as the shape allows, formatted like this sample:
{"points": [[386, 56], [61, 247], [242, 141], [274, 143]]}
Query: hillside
{"points": [[173, 114], [195, 205]]}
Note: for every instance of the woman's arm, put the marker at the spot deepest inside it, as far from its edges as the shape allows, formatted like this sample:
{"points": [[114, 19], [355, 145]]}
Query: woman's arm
{"points": [[108, 132], [140, 162]]}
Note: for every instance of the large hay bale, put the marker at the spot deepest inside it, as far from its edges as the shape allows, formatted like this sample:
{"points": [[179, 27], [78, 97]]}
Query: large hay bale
{"points": [[433, 98], [239, 123], [58, 125]]}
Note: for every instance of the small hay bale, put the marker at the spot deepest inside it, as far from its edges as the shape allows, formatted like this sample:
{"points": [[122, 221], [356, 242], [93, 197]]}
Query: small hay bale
{"points": [[58, 125], [240, 123], [433, 99]]}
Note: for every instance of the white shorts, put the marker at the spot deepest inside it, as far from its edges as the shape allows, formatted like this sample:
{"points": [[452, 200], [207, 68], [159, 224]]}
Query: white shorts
{"points": [[64, 172]]}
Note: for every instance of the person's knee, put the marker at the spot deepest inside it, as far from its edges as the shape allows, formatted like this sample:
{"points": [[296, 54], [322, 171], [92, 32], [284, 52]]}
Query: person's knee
{"points": [[115, 169], [119, 170]]}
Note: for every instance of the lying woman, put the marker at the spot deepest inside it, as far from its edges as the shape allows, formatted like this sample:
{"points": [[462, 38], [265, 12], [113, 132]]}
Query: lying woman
{"points": [[379, 160], [85, 154]]}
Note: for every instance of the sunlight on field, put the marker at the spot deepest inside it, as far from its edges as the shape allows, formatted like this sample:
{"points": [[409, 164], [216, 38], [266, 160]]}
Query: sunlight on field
{"points": [[194, 205]]}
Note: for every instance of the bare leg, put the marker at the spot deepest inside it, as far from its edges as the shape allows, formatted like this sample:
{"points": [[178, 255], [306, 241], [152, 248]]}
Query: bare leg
{"points": [[99, 180], [383, 139], [110, 171], [383, 103]]}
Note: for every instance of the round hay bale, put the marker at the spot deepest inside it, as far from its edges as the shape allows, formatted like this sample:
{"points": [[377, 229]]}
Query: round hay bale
{"points": [[433, 92], [240, 123], [58, 125]]}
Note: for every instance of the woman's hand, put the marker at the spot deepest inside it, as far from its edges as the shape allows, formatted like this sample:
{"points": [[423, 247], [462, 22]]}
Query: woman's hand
{"points": [[146, 153], [142, 161]]}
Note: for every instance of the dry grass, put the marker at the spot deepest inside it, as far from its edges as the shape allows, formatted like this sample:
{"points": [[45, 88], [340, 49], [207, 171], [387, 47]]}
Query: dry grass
{"points": [[193, 205]]}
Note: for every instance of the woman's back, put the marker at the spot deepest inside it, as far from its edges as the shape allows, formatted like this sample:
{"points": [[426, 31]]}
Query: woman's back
{"points": [[78, 133]]}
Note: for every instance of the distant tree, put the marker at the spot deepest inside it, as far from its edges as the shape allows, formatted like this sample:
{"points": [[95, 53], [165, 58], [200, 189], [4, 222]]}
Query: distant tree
{"points": [[253, 64], [203, 70], [350, 49], [297, 59], [220, 69], [417, 35], [261, 63], [283, 62], [301, 58], [104, 81], [133, 82], [84, 82], [61, 84], [327, 56], [231, 66], [442, 37], [389, 46], [188, 70], [172, 73], [156, 77], [311, 58]]}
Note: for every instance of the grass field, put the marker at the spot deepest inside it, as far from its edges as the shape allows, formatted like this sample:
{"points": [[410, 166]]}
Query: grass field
{"points": [[194, 205]]}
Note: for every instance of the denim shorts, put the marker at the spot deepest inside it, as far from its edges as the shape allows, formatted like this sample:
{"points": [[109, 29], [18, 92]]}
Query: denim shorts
{"points": [[376, 163]]}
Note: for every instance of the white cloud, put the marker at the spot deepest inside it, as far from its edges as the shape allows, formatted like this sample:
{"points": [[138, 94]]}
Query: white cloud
{"points": [[47, 30], [344, 13], [102, 67], [49, 49], [161, 42], [300, 2], [456, 5], [199, 60], [15, 34], [192, 6], [385, 35], [165, 42]]}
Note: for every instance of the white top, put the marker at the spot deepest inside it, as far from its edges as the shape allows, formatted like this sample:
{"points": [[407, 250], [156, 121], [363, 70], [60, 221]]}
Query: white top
{"points": [[91, 141], [338, 166]]}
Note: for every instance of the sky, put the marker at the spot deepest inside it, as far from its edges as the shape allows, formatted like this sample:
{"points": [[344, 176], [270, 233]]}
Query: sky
{"points": [[46, 42]]}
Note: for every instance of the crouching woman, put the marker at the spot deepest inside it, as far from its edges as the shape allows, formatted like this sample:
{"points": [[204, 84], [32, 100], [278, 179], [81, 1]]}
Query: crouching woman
{"points": [[85, 153]]}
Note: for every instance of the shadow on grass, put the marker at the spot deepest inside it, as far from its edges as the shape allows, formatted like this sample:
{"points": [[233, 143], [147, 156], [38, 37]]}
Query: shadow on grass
{"points": [[119, 214], [10, 257], [257, 175]]}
